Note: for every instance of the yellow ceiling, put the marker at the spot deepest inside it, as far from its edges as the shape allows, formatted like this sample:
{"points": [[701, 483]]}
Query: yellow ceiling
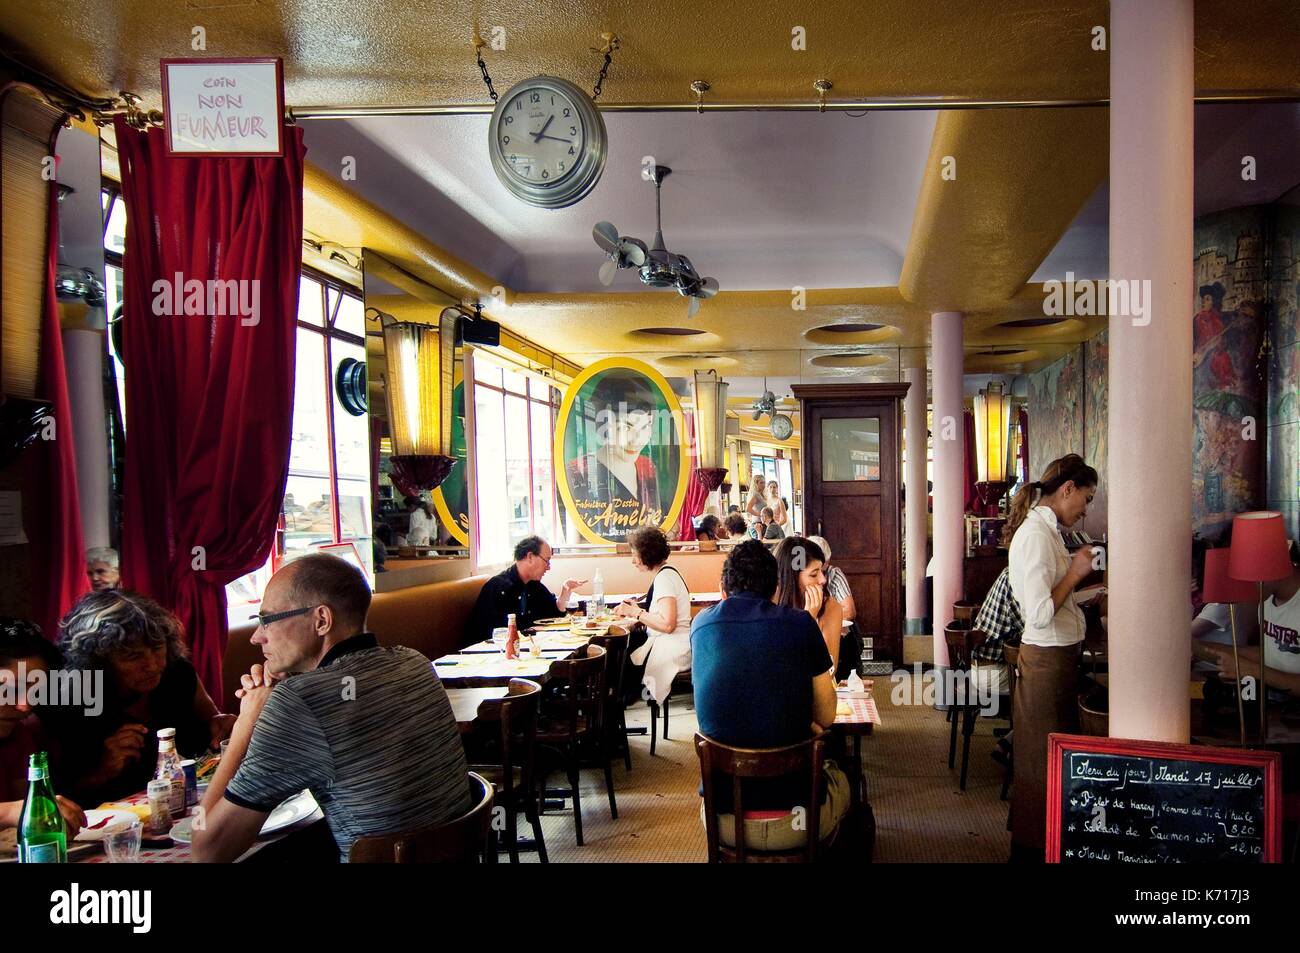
{"points": [[395, 51]]}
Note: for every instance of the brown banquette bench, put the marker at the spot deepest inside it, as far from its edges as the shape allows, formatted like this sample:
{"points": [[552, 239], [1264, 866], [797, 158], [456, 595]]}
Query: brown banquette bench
{"points": [[430, 618]]}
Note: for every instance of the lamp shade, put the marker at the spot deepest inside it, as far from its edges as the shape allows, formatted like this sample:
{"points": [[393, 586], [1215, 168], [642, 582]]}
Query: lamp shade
{"points": [[992, 433], [1259, 548], [414, 388], [1219, 586], [742, 463], [710, 419]]}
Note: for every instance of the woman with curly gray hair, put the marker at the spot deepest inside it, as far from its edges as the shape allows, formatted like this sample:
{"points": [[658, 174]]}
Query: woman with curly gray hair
{"points": [[149, 684]]}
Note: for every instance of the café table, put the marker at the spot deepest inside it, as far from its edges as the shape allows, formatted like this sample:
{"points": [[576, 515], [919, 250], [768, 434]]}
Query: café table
{"points": [[481, 670], [465, 703], [854, 724]]}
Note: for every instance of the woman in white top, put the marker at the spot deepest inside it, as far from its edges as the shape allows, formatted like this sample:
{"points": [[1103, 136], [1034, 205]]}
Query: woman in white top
{"points": [[1043, 578], [779, 514], [665, 613], [420, 530], [757, 499]]}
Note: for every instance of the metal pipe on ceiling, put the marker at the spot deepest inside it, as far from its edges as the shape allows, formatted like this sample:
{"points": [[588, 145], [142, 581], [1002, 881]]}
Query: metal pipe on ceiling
{"points": [[870, 105]]}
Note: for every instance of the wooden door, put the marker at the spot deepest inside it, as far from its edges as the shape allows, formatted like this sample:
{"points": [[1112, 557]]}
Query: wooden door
{"points": [[851, 453]]}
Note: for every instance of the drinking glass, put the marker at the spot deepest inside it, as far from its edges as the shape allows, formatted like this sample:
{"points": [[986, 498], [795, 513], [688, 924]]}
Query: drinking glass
{"points": [[500, 637], [122, 842], [223, 746]]}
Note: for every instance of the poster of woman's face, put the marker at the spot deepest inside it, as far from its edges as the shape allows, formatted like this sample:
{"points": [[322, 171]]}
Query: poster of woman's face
{"points": [[622, 445]]}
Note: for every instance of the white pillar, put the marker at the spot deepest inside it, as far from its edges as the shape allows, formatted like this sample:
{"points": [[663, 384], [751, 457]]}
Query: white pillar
{"points": [[83, 356], [949, 472], [1150, 365], [914, 407]]}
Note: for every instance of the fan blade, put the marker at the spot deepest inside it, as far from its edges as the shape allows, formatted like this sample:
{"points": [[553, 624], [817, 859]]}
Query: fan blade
{"points": [[608, 269], [692, 307], [606, 236], [634, 251], [708, 288]]}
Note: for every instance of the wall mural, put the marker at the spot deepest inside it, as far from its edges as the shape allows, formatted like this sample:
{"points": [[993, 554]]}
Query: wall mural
{"points": [[1284, 371], [1096, 395], [622, 438], [1055, 412]]}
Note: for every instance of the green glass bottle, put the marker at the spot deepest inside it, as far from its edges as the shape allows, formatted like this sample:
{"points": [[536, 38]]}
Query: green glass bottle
{"points": [[42, 837]]}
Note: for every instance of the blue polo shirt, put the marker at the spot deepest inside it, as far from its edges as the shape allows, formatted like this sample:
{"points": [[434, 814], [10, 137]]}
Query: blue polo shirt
{"points": [[752, 663]]}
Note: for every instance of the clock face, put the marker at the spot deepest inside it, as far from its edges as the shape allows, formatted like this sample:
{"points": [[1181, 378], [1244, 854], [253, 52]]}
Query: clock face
{"points": [[547, 142], [782, 427], [541, 135]]}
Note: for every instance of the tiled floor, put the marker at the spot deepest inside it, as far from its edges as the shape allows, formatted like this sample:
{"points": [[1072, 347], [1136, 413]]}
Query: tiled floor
{"points": [[920, 813]]}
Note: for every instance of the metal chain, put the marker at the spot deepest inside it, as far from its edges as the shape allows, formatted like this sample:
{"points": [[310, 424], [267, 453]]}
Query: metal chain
{"points": [[478, 53], [610, 47]]}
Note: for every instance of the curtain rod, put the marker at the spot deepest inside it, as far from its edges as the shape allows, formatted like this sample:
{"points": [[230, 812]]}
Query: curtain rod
{"points": [[871, 105]]}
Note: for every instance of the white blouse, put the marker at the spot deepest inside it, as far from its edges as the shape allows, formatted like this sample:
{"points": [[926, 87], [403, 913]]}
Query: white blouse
{"points": [[664, 654], [1038, 560]]}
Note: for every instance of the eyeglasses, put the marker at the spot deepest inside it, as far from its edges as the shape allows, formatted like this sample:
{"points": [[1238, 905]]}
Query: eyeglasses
{"points": [[266, 618]]}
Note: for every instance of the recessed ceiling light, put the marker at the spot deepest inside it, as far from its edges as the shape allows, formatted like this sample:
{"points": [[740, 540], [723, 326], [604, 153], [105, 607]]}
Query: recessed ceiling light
{"points": [[1033, 323], [669, 332], [850, 360]]}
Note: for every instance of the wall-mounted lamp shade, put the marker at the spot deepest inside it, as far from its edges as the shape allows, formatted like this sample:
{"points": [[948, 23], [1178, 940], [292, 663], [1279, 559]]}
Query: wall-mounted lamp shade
{"points": [[742, 462], [1219, 586], [710, 419], [1259, 548], [414, 388], [992, 433]]}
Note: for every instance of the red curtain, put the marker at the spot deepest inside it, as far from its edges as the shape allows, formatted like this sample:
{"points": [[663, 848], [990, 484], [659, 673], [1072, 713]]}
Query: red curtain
{"points": [[53, 509], [696, 494], [1024, 444], [209, 397]]}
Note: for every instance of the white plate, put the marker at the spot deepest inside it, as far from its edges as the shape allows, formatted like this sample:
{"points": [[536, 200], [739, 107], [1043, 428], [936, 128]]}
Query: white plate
{"points": [[290, 812], [95, 816], [181, 830]]}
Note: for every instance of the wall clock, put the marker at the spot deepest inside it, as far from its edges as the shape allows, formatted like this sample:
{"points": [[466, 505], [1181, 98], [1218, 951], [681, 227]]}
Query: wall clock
{"points": [[782, 427], [547, 141]]}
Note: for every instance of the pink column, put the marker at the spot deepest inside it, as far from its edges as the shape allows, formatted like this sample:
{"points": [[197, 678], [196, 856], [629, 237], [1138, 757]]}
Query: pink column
{"points": [[83, 353], [949, 530], [1150, 367], [914, 407]]}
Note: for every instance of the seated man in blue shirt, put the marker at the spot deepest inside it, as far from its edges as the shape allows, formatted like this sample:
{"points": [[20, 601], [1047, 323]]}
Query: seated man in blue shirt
{"points": [[762, 679]]}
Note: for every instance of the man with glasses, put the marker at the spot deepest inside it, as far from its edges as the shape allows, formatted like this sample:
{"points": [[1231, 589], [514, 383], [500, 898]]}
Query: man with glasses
{"points": [[368, 729], [519, 591]]}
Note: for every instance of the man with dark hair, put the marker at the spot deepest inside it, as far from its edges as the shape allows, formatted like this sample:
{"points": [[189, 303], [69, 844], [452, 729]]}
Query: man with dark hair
{"points": [[762, 679], [368, 729], [736, 525], [25, 652], [519, 591]]}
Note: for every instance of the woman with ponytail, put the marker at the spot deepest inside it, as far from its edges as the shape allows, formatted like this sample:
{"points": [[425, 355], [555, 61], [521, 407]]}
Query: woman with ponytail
{"points": [[1043, 579]]}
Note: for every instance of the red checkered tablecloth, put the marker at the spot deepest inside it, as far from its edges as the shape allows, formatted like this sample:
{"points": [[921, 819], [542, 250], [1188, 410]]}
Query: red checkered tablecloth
{"points": [[168, 851], [864, 712]]}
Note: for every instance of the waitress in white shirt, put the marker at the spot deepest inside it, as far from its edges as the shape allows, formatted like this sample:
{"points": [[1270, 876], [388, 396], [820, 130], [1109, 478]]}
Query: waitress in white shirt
{"points": [[1043, 578]]}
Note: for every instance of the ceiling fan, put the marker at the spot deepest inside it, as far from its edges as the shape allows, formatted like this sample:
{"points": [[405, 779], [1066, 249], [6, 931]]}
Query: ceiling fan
{"points": [[781, 425], [657, 266]]}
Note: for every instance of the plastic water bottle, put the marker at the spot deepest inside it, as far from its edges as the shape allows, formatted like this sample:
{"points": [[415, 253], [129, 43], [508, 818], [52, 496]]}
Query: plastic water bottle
{"points": [[596, 604]]}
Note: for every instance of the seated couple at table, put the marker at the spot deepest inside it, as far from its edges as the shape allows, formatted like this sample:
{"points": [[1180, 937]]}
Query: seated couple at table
{"points": [[763, 678], [368, 729], [127, 655]]}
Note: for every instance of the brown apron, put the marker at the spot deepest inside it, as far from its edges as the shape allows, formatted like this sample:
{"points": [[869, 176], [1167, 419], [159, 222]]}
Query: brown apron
{"points": [[1046, 701]]}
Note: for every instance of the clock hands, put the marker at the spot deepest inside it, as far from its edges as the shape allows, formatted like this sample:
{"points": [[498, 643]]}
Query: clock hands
{"points": [[538, 136], [554, 139]]}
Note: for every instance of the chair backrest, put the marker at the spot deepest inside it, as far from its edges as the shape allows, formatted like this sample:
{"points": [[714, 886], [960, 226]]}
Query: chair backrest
{"points": [[515, 714], [962, 641], [615, 643], [965, 611], [583, 701], [801, 761], [459, 841]]}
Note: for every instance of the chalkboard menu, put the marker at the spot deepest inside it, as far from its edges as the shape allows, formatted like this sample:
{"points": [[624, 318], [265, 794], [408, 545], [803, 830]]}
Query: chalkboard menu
{"points": [[1110, 800]]}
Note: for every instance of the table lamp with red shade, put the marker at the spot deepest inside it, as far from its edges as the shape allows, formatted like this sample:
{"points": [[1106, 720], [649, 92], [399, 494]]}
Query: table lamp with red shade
{"points": [[1259, 554], [1221, 588]]}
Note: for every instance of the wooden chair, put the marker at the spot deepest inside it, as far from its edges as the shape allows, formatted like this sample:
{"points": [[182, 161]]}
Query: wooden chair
{"points": [[513, 720], [682, 684], [460, 841], [571, 726], [717, 760], [1011, 655], [614, 717], [965, 612], [961, 643]]}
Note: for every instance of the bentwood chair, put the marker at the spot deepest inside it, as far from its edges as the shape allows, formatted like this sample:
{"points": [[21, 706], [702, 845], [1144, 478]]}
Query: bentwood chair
{"points": [[460, 841], [513, 721], [571, 730], [614, 717], [681, 684], [719, 762], [962, 642]]}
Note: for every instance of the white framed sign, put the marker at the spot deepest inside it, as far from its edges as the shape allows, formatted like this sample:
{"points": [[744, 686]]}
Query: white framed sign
{"points": [[224, 107]]}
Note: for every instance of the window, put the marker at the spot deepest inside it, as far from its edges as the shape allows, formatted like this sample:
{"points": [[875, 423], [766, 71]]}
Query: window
{"points": [[514, 417], [327, 497]]}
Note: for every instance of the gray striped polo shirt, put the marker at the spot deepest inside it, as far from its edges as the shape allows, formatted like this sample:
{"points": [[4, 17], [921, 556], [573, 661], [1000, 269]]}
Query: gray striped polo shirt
{"points": [[370, 733]]}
